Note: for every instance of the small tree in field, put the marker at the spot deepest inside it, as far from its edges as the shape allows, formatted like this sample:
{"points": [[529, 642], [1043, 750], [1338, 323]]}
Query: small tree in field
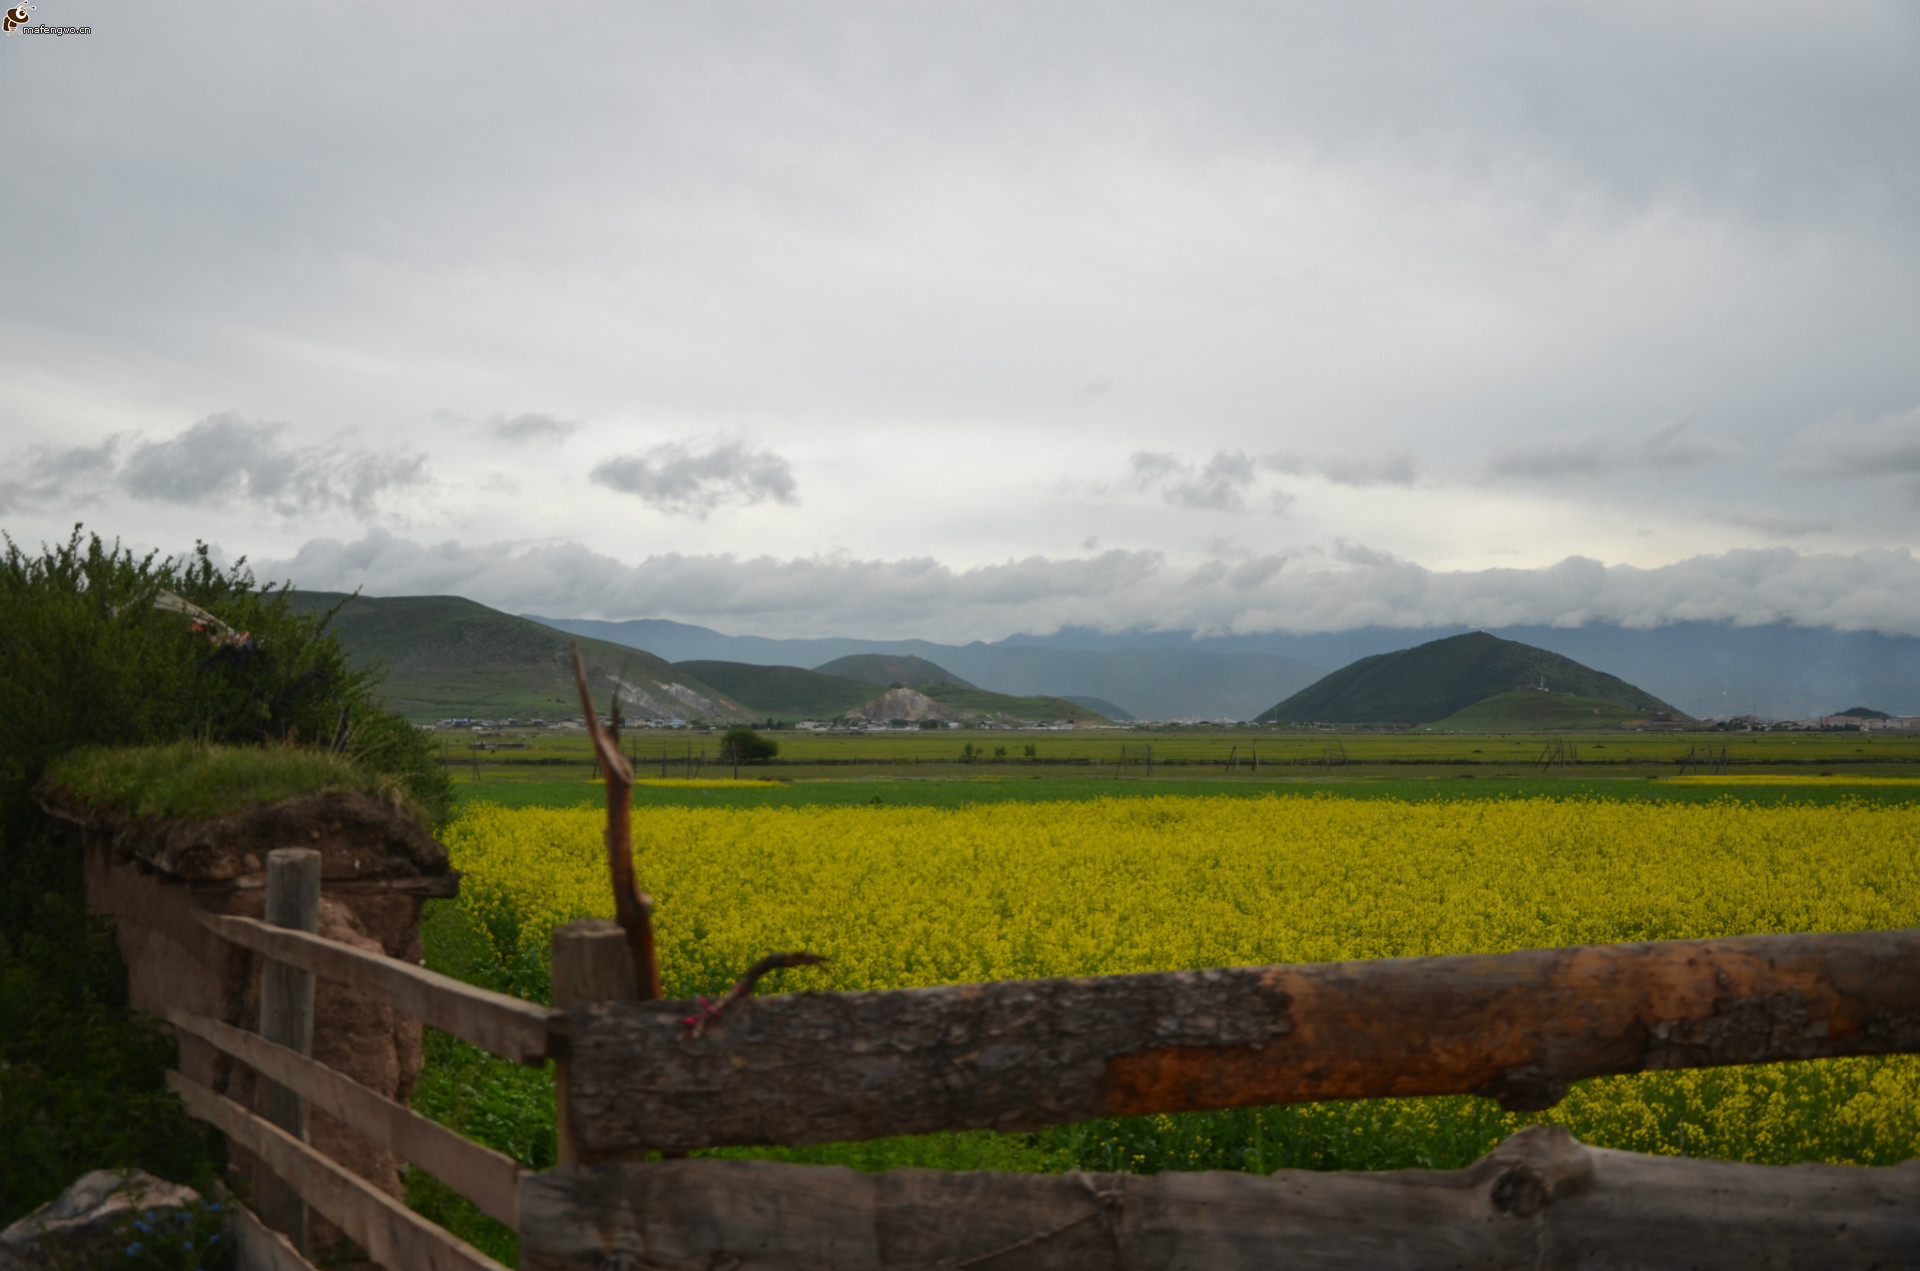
{"points": [[743, 745]]}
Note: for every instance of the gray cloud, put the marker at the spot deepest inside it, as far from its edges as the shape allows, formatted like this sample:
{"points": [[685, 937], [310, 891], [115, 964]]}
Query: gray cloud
{"points": [[1665, 449], [1229, 478], [222, 461], [43, 475], [1773, 526], [1347, 587], [1847, 449], [1221, 484], [1395, 468], [678, 478], [535, 427]]}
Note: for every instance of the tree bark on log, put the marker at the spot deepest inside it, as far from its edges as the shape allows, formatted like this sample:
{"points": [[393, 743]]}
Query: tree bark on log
{"points": [[804, 1068], [1541, 1201]]}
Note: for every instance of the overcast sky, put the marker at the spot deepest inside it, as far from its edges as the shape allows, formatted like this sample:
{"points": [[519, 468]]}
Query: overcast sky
{"points": [[960, 319]]}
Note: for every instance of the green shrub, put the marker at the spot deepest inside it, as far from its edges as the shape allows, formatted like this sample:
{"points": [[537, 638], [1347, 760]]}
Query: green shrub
{"points": [[743, 745], [88, 661]]}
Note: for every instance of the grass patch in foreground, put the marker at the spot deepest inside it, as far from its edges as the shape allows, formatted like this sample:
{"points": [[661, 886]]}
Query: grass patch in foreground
{"points": [[194, 781]]}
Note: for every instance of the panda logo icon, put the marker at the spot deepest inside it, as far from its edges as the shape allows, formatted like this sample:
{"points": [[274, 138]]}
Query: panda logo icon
{"points": [[16, 17]]}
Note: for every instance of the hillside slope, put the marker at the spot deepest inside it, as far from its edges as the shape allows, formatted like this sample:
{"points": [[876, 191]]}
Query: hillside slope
{"points": [[977, 702], [1100, 706], [448, 657], [781, 692], [888, 669], [1529, 710], [1432, 681]]}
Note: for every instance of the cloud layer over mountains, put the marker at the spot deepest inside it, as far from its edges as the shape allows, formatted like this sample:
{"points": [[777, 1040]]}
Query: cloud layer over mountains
{"points": [[1120, 590]]}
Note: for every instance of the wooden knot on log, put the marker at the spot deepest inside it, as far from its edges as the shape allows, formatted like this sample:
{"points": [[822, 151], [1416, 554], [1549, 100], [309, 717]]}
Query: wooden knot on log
{"points": [[1535, 1168]]}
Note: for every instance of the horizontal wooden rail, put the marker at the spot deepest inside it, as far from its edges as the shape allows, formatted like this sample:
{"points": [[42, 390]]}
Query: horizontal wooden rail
{"points": [[519, 1030], [393, 1235], [818, 1067], [485, 1177], [1539, 1200]]}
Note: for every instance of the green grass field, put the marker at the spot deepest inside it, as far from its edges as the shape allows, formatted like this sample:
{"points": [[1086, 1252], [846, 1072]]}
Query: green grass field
{"points": [[1226, 754]]}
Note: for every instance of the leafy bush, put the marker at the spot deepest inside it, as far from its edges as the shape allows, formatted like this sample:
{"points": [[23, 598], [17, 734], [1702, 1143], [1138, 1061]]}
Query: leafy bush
{"points": [[88, 660], [743, 745]]}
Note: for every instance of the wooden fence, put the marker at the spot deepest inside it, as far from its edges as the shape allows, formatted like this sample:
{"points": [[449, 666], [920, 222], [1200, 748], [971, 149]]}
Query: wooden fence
{"points": [[634, 1082]]}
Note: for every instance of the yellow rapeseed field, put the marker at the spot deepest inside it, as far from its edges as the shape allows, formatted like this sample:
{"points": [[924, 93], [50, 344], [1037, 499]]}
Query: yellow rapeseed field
{"points": [[901, 896]]}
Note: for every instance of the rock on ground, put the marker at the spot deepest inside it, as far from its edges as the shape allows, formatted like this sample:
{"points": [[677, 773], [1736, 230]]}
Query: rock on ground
{"points": [[86, 1221]]}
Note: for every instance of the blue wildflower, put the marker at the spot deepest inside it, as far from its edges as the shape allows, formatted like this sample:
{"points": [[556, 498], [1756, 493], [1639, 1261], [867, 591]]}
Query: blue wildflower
{"points": [[135, 1249]]}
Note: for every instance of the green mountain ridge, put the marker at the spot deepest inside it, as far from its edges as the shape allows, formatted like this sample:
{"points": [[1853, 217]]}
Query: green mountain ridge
{"points": [[786, 693], [1038, 710], [449, 657], [1432, 681], [888, 669]]}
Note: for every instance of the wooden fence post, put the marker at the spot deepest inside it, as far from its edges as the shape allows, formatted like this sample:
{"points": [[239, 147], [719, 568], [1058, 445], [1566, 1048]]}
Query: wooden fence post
{"points": [[591, 963], [286, 1019]]}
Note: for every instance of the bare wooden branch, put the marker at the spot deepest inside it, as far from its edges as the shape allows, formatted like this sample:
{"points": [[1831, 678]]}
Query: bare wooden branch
{"points": [[706, 1013], [488, 1178], [818, 1067], [1539, 1201], [633, 908], [508, 1026], [392, 1234]]}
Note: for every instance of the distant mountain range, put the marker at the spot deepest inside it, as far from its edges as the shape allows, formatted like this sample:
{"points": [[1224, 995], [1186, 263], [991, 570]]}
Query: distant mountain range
{"points": [[1148, 683], [1704, 668], [1455, 674], [450, 656], [447, 658]]}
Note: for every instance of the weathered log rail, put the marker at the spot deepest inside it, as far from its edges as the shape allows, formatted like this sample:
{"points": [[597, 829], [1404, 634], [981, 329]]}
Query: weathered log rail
{"points": [[819, 1067], [1539, 1202]]}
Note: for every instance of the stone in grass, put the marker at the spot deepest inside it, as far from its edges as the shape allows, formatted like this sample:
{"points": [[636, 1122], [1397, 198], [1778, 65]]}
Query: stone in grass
{"points": [[86, 1225]]}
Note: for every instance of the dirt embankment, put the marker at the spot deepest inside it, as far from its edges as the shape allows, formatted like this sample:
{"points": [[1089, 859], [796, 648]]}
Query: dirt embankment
{"points": [[378, 865]]}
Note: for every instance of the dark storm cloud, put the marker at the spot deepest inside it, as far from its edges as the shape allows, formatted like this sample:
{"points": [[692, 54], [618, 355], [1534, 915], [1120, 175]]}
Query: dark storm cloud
{"points": [[679, 478], [222, 461]]}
